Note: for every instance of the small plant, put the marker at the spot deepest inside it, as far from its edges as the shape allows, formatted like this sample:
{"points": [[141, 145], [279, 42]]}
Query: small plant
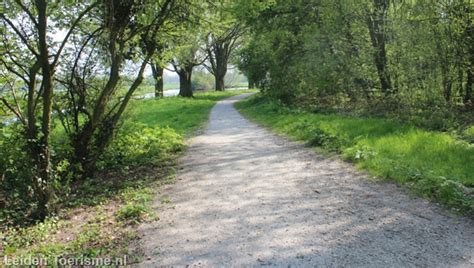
{"points": [[166, 200], [132, 212]]}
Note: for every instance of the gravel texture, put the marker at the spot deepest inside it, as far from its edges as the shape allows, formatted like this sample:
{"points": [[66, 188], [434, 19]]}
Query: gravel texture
{"points": [[245, 196]]}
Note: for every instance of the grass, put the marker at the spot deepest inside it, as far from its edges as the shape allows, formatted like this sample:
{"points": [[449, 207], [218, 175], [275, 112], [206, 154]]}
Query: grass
{"points": [[183, 115], [175, 85], [99, 218], [431, 164], [151, 88]]}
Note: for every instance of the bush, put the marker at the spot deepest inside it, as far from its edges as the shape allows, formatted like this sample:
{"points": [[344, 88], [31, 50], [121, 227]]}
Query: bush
{"points": [[202, 81], [139, 145], [468, 134], [16, 200]]}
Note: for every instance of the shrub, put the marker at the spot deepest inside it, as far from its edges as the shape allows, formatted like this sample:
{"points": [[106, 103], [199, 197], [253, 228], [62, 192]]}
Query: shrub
{"points": [[16, 200], [468, 135], [140, 145], [202, 81]]}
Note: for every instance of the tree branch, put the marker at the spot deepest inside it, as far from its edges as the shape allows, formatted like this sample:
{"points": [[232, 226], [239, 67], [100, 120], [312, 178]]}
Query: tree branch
{"points": [[73, 26], [28, 12], [20, 35]]}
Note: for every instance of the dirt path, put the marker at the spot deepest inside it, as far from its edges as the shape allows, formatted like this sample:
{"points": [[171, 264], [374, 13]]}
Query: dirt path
{"points": [[247, 197]]}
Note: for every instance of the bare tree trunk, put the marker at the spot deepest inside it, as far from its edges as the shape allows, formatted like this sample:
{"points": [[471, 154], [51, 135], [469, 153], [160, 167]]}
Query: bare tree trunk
{"points": [[444, 65], [108, 127], [220, 84], [157, 72], [185, 85], [220, 68], [83, 152], [218, 54]]}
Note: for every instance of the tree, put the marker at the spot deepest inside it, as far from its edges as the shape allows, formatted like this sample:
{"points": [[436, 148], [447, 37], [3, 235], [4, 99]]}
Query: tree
{"points": [[377, 25], [402, 58], [94, 99], [157, 73], [186, 49], [31, 58], [222, 39], [183, 64]]}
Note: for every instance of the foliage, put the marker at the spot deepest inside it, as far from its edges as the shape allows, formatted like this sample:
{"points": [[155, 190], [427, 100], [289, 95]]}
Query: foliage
{"points": [[139, 145], [138, 205], [413, 60], [79, 76], [431, 164], [202, 81]]}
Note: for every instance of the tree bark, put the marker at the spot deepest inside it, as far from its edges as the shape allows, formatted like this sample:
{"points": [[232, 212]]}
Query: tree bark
{"points": [[157, 72], [220, 84], [444, 66], [185, 85], [220, 66], [82, 141], [41, 153]]}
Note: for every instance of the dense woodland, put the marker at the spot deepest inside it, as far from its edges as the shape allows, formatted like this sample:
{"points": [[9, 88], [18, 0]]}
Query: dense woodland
{"points": [[69, 70], [410, 59]]}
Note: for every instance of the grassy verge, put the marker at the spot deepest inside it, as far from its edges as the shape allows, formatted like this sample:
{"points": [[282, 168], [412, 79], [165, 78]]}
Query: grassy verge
{"points": [[98, 218], [431, 164]]}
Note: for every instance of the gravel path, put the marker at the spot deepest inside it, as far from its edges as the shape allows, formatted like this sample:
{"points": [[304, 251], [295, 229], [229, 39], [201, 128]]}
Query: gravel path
{"points": [[245, 196]]}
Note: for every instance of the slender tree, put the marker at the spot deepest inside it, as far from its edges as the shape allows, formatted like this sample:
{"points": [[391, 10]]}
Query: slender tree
{"points": [[377, 25], [31, 57], [95, 106]]}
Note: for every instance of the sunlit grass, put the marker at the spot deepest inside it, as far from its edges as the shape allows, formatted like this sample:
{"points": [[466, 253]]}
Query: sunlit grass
{"points": [[431, 164], [184, 115]]}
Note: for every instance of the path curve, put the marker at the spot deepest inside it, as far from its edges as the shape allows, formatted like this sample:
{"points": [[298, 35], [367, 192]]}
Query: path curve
{"points": [[244, 196]]}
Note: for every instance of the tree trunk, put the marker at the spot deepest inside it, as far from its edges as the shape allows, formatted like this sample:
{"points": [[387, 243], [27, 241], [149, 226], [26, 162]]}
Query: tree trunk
{"points": [[377, 31], [157, 72], [444, 65], [84, 154], [468, 98], [221, 56], [469, 85], [41, 153], [251, 82], [220, 84], [185, 85], [218, 55]]}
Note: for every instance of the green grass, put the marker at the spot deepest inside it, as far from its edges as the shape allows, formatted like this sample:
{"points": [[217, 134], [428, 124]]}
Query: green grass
{"points": [[431, 164], [167, 86], [98, 218], [183, 115]]}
